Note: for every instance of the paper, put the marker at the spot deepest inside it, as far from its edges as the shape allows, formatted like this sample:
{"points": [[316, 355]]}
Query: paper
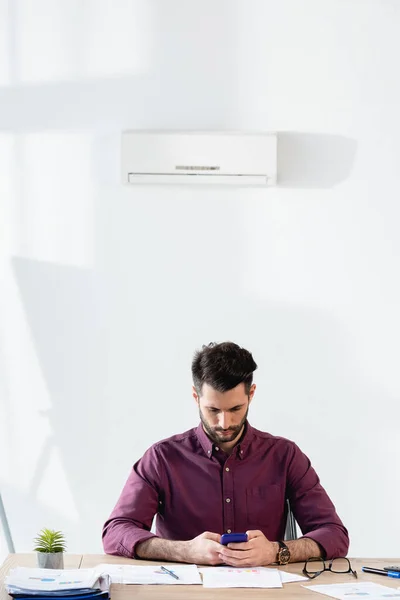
{"points": [[291, 577], [347, 591], [229, 577], [131, 574], [114, 571], [51, 579]]}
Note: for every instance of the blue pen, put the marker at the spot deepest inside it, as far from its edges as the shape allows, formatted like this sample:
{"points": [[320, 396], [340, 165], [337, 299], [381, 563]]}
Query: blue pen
{"points": [[381, 572], [169, 572]]}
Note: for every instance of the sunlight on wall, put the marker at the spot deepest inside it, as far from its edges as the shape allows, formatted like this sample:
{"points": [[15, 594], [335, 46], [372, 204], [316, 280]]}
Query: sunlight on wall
{"points": [[7, 180], [55, 200], [36, 203], [4, 44], [22, 425], [58, 41], [128, 52], [31, 474], [54, 478]]}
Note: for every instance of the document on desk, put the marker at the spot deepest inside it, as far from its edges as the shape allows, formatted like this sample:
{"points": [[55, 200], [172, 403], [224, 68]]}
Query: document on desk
{"points": [[287, 577], [51, 580], [149, 575], [234, 577], [349, 591]]}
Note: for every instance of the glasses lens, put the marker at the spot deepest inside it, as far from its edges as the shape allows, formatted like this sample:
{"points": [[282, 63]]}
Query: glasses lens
{"points": [[314, 566], [340, 565]]}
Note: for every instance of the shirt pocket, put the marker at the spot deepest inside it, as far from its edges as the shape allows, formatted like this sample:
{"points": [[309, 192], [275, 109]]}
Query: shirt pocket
{"points": [[265, 505]]}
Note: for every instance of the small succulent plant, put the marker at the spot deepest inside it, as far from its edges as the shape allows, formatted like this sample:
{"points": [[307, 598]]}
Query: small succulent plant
{"points": [[50, 541]]}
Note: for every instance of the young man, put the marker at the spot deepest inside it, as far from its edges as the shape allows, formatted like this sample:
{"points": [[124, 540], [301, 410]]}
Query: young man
{"points": [[223, 476]]}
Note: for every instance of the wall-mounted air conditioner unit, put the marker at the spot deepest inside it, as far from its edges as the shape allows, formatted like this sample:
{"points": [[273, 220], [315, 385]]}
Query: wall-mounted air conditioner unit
{"points": [[199, 157]]}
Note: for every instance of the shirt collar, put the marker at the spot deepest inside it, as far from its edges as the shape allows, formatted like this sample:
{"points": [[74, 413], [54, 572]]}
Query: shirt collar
{"points": [[204, 440], [241, 447]]}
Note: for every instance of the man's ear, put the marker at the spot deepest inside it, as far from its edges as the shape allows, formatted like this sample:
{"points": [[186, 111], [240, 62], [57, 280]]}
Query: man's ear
{"points": [[195, 394], [252, 392]]}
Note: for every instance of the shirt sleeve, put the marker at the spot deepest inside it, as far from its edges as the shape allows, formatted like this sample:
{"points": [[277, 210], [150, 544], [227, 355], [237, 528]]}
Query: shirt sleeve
{"points": [[130, 521], [313, 509]]}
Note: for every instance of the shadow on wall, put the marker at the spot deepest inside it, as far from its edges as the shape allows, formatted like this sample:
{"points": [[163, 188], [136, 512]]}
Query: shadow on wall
{"points": [[310, 160], [66, 310], [161, 51], [66, 306], [301, 350]]}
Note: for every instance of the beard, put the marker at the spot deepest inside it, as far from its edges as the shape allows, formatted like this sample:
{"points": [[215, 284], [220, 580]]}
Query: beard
{"points": [[216, 433]]}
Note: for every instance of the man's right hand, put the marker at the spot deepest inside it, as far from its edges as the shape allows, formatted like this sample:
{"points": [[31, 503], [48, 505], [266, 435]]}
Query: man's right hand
{"points": [[205, 549]]}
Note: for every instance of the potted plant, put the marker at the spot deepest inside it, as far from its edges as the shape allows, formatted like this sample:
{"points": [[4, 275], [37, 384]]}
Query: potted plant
{"points": [[50, 546]]}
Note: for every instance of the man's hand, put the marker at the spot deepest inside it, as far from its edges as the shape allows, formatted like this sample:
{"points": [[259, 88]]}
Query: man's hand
{"points": [[258, 551], [205, 549]]}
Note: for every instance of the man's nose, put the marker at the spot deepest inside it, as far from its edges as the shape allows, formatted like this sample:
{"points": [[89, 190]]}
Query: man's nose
{"points": [[224, 420]]}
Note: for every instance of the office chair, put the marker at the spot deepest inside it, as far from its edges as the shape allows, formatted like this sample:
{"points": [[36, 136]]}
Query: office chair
{"points": [[291, 527]]}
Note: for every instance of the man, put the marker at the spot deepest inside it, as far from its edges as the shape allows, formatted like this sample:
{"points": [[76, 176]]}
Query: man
{"points": [[223, 476]]}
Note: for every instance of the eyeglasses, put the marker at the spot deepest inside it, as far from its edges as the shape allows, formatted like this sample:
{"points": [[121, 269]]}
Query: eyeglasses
{"points": [[315, 566]]}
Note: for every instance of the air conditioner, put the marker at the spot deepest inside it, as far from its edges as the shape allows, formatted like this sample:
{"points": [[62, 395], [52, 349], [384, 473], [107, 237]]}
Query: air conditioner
{"points": [[199, 157]]}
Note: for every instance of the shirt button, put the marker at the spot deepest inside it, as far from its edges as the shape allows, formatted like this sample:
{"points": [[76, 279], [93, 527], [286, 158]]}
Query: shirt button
{"points": [[209, 452], [228, 500], [229, 531], [216, 447], [227, 469]]}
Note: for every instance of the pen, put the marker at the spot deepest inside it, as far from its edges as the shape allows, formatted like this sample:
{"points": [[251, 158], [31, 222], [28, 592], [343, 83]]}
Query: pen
{"points": [[173, 574], [381, 572]]}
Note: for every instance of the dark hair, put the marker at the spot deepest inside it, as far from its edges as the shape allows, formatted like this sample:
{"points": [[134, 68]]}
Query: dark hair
{"points": [[222, 366]]}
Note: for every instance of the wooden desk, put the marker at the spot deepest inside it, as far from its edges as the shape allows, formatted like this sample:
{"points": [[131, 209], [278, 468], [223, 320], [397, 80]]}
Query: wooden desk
{"points": [[294, 591]]}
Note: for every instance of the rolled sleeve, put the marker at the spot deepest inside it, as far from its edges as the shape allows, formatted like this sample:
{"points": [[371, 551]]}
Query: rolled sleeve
{"points": [[130, 540], [334, 543], [130, 521], [313, 509]]}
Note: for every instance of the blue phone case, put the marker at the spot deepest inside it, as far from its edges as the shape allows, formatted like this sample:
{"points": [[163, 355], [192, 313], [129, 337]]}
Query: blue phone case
{"points": [[233, 538]]}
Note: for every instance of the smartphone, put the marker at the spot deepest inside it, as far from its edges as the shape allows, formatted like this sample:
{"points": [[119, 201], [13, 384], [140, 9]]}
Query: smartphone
{"points": [[396, 569], [233, 538]]}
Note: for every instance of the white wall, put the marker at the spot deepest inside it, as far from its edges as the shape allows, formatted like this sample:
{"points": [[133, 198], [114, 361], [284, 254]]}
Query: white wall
{"points": [[107, 291]]}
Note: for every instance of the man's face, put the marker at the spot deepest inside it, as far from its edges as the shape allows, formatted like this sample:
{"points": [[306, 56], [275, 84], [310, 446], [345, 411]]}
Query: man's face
{"points": [[223, 414]]}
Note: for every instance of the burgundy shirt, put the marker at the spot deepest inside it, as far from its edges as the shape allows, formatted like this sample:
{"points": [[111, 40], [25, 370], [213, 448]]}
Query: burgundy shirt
{"points": [[193, 486]]}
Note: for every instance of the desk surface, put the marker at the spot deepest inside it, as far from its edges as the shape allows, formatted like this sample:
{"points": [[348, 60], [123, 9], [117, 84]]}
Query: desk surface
{"points": [[294, 591]]}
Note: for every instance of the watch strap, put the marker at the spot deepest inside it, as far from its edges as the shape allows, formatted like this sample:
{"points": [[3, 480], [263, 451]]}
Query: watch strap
{"points": [[283, 553]]}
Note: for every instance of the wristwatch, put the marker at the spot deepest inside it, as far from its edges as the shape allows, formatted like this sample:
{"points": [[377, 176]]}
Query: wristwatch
{"points": [[283, 556]]}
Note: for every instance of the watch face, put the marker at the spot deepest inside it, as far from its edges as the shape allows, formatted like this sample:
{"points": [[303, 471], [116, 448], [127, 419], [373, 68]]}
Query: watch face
{"points": [[284, 556]]}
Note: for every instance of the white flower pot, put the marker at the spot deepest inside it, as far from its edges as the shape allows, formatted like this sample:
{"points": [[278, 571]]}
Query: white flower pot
{"points": [[50, 560]]}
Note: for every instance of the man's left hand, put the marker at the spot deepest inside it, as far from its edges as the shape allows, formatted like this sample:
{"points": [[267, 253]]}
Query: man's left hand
{"points": [[258, 551]]}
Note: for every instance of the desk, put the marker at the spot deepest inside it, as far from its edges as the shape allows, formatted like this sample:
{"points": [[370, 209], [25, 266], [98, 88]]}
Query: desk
{"points": [[294, 591]]}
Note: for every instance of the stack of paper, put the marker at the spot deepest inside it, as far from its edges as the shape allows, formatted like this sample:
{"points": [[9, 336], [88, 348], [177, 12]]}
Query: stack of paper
{"points": [[190, 575], [41, 584], [131, 574]]}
